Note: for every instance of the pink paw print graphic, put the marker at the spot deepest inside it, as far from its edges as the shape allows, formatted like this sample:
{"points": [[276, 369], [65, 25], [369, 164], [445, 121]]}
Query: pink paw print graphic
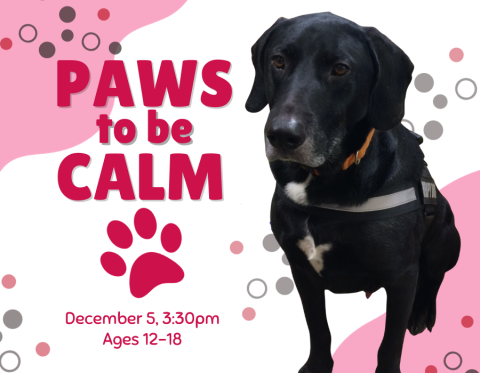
{"points": [[150, 269]]}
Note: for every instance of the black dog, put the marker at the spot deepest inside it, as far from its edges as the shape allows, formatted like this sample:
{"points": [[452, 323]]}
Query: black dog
{"points": [[336, 94]]}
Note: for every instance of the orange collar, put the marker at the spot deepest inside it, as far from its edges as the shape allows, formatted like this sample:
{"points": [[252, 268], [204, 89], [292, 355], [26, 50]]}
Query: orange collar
{"points": [[353, 158], [356, 157]]}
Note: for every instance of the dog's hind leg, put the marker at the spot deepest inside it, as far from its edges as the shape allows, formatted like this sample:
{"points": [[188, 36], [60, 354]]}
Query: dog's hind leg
{"points": [[440, 251]]}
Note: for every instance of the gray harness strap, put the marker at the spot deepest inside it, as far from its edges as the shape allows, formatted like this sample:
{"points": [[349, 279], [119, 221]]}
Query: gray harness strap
{"points": [[402, 199]]}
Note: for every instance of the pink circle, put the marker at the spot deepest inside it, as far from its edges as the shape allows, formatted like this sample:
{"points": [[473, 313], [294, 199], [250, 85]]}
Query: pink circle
{"points": [[9, 281], [456, 55], [467, 321], [430, 369], [103, 14], [236, 247], [42, 349], [6, 44], [249, 314]]}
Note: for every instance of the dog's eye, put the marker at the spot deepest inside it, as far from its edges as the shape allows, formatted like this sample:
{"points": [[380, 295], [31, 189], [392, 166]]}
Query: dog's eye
{"points": [[340, 69], [278, 62]]}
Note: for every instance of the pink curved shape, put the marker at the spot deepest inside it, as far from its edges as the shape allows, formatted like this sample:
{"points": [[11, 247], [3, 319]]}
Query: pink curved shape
{"points": [[30, 121], [458, 297]]}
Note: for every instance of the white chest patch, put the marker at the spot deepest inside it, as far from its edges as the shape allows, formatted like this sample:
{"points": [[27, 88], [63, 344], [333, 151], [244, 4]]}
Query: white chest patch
{"points": [[296, 191], [313, 253]]}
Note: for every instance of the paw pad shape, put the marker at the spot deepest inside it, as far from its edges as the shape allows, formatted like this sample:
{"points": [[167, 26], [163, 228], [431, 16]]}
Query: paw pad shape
{"points": [[150, 269]]}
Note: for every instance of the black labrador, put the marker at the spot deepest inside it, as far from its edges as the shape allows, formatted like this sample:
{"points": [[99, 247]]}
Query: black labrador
{"points": [[336, 91]]}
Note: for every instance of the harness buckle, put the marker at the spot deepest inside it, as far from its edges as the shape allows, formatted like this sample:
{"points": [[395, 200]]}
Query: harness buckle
{"points": [[357, 160]]}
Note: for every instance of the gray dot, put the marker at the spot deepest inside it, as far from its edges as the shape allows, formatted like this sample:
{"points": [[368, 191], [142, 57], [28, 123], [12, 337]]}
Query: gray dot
{"points": [[12, 319], [270, 243], [284, 286], [19, 361], [46, 49], [471, 371], [285, 260], [67, 14], [424, 82], [433, 130], [440, 101], [115, 47], [67, 35], [1, 336]]}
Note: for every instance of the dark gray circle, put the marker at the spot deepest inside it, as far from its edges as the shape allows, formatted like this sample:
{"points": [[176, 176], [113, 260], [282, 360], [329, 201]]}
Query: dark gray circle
{"points": [[67, 35], [20, 33], [83, 41], [12, 319], [433, 130], [411, 124], [284, 286], [46, 49], [474, 86], [10, 370], [452, 353], [285, 260], [440, 101], [115, 47], [67, 14], [424, 82], [254, 296], [270, 243]]}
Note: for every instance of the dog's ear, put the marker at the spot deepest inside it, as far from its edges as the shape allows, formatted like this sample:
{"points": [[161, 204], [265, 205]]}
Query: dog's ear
{"points": [[257, 100], [393, 74]]}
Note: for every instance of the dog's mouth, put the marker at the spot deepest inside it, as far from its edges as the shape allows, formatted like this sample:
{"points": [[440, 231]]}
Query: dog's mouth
{"points": [[305, 155]]}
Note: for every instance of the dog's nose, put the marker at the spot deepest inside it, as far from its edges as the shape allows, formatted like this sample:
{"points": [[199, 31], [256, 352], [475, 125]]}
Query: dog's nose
{"points": [[287, 137]]}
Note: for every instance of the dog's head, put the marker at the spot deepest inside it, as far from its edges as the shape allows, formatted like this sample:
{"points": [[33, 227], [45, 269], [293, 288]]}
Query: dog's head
{"points": [[321, 75]]}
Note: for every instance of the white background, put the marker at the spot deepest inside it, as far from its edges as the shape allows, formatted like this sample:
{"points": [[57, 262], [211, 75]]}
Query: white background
{"points": [[53, 245]]}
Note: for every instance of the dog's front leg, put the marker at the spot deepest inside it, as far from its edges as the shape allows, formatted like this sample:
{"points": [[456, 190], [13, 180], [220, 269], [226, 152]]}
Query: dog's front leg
{"points": [[400, 296], [312, 294]]}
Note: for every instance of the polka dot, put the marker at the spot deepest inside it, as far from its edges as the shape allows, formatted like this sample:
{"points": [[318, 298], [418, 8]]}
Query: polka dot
{"points": [[47, 49], [453, 360], [91, 41], [115, 47], [464, 95], [440, 101], [424, 82], [409, 123], [249, 314], [270, 243], [257, 288], [9, 281], [1, 336], [67, 35], [471, 371], [456, 55], [28, 33], [433, 130], [10, 361], [12, 319], [467, 321], [236, 247], [284, 286], [42, 349], [285, 260], [67, 14], [6, 44], [431, 369], [103, 14]]}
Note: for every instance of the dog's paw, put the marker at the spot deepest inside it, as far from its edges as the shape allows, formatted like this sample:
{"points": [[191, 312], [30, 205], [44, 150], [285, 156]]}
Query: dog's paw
{"points": [[418, 321], [317, 368]]}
